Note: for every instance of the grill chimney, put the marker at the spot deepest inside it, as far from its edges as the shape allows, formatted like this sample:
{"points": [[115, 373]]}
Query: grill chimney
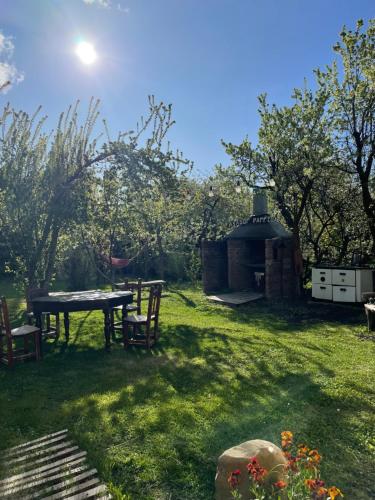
{"points": [[260, 204]]}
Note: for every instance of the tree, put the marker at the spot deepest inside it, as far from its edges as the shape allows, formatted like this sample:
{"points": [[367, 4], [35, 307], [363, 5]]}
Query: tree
{"points": [[136, 198], [351, 94], [297, 142], [46, 182], [295, 148], [43, 180]]}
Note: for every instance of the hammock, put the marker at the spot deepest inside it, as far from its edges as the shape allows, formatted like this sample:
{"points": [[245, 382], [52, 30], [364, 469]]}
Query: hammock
{"points": [[115, 262]]}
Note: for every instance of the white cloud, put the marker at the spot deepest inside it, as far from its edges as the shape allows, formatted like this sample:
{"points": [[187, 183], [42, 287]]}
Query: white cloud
{"points": [[126, 10], [107, 4], [6, 45], [9, 74]]}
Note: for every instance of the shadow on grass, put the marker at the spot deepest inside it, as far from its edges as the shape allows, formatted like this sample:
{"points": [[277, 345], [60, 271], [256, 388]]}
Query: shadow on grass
{"points": [[155, 422], [187, 301], [286, 316]]}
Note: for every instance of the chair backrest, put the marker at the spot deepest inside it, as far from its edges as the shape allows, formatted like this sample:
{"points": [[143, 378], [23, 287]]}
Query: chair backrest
{"points": [[4, 318], [154, 302], [137, 288]]}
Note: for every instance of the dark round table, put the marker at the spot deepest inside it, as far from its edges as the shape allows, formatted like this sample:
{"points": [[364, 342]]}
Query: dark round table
{"points": [[91, 300]]}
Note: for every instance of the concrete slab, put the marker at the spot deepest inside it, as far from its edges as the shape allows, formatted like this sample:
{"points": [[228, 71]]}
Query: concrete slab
{"points": [[235, 298]]}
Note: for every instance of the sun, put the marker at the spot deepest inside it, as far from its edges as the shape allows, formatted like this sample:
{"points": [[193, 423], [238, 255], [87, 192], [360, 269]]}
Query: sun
{"points": [[86, 52]]}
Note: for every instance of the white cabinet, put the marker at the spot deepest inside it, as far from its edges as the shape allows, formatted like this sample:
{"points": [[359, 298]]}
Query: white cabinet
{"points": [[322, 276], [343, 277], [322, 292], [341, 284], [343, 293]]}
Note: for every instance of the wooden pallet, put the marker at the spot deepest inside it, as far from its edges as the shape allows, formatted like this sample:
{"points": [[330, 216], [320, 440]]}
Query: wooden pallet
{"points": [[50, 467]]}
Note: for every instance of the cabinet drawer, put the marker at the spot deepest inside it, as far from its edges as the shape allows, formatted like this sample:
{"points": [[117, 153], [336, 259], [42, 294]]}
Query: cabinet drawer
{"points": [[322, 276], [343, 277], [343, 293], [322, 292]]}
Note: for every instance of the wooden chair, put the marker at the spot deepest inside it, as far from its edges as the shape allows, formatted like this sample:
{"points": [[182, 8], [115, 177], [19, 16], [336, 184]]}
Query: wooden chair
{"points": [[132, 327], [49, 330], [8, 354], [136, 288]]}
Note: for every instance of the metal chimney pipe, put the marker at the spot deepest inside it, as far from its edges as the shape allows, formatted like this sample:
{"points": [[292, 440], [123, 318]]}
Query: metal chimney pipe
{"points": [[260, 203]]}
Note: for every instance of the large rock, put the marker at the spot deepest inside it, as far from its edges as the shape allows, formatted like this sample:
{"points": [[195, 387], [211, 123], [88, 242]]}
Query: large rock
{"points": [[269, 456]]}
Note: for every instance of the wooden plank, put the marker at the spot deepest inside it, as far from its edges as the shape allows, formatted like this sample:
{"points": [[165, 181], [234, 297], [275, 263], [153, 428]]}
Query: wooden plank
{"points": [[39, 452], [74, 489], [56, 455], [91, 493], [10, 453], [32, 476], [81, 456], [28, 485], [44, 438], [68, 482]]}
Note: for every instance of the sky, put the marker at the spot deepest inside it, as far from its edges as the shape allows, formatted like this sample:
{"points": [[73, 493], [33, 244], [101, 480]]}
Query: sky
{"points": [[209, 58]]}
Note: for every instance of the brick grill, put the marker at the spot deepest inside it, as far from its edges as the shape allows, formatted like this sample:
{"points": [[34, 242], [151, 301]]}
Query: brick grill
{"points": [[258, 256]]}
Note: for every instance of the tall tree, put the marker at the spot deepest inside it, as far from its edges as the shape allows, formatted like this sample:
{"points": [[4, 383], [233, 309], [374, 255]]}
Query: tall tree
{"points": [[296, 142], [43, 179], [351, 91]]}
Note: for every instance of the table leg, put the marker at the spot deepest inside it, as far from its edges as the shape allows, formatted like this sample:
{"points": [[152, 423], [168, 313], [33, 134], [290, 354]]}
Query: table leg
{"points": [[38, 324], [107, 329], [66, 326], [112, 317]]}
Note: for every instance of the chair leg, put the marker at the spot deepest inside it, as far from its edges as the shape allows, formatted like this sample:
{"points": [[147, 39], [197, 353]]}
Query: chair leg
{"points": [[10, 353], [37, 341], [125, 335], [147, 334]]}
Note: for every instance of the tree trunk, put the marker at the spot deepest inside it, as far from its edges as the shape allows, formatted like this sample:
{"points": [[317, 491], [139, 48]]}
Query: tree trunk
{"points": [[51, 257]]}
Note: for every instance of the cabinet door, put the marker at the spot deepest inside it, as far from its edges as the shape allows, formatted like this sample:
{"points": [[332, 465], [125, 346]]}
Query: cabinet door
{"points": [[343, 293], [322, 292], [343, 277], [322, 276]]}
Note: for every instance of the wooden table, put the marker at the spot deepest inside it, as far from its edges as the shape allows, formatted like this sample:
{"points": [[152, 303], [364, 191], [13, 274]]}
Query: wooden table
{"points": [[370, 313], [90, 300]]}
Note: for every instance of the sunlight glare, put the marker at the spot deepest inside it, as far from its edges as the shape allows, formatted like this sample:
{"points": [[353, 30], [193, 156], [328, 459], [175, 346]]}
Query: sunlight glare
{"points": [[86, 52]]}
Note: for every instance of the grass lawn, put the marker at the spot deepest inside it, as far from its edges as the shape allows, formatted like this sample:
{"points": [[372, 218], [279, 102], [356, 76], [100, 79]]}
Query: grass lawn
{"points": [[154, 423]]}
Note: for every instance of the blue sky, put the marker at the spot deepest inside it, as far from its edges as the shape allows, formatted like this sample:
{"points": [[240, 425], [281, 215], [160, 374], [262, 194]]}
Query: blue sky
{"points": [[209, 58]]}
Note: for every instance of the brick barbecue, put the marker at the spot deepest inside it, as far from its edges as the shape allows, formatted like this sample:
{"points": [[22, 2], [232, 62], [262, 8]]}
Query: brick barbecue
{"points": [[259, 255]]}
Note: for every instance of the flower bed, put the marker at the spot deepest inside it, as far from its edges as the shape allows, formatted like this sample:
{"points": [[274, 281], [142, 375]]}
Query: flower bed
{"points": [[301, 476]]}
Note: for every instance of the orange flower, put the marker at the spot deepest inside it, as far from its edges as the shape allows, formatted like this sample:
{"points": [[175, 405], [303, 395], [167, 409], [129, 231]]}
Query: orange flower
{"points": [[334, 492], [314, 484], [310, 483], [286, 439], [314, 458], [280, 485], [303, 450], [321, 492]]}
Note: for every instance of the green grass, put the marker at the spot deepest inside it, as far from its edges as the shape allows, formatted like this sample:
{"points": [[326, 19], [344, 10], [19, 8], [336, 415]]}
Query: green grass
{"points": [[154, 423]]}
